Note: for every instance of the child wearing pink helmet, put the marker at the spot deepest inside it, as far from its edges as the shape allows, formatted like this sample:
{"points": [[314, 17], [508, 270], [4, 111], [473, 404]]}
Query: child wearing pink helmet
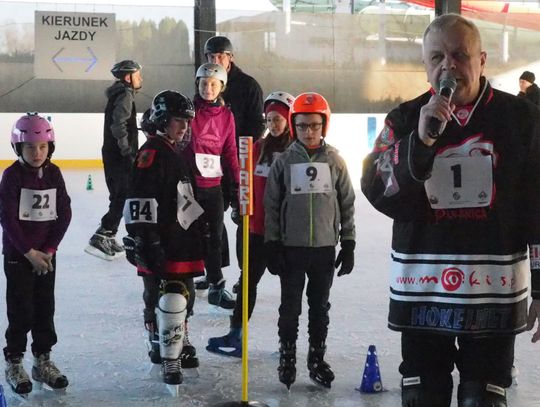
{"points": [[35, 214]]}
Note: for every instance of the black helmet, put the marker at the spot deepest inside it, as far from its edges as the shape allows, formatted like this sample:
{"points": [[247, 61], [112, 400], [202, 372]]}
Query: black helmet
{"points": [[218, 44], [147, 125], [125, 67], [169, 104]]}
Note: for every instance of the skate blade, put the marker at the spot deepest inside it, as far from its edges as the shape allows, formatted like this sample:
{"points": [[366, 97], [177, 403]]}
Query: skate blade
{"points": [[321, 384], [44, 387], [225, 351], [98, 253], [174, 389], [155, 371], [191, 373]]}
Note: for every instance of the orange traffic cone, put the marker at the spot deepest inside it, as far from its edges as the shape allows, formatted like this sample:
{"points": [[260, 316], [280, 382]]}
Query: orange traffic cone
{"points": [[371, 379]]}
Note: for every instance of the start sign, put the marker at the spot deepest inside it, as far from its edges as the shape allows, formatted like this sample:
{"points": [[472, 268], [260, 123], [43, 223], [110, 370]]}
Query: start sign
{"points": [[245, 189], [74, 45]]}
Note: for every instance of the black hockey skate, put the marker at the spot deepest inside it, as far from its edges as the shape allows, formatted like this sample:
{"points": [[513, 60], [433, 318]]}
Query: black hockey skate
{"points": [[17, 378], [153, 343], [218, 296], [188, 356], [202, 283], [319, 371], [171, 371], [287, 363]]}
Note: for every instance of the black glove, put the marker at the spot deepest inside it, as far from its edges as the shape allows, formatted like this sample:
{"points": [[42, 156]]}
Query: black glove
{"points": [[133, 246], [235, 216], [345, 258], [275, 255], [154, 256]]}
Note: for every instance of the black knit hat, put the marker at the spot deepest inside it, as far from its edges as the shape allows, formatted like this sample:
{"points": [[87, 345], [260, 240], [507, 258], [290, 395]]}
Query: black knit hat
{"points": [[528, 76]]}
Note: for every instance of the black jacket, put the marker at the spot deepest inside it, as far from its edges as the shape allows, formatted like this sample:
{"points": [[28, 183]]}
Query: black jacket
{"points": [[245, 98], [460, 268], [532, 93], [120, 134], [158, 171]]}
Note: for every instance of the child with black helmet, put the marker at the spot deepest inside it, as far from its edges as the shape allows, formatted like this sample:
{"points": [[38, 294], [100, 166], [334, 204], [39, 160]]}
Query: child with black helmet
{"points": [[309, 204], [212, 152], [165, 236], [35, 214], [120, 144], [265, 151]]}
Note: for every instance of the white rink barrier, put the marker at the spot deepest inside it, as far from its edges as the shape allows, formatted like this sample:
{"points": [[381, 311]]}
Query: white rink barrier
{"points": [[79, 138]]}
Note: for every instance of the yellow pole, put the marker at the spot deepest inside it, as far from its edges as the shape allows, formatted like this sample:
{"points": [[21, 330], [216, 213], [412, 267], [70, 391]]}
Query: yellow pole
{"points": [[245, 199]]}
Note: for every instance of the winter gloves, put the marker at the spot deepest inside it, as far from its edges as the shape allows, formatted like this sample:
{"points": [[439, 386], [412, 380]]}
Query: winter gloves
{"points": [[345, 258], [275, 255]]}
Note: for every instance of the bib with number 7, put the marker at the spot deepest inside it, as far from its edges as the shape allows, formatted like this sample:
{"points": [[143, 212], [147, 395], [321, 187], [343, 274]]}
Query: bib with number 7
{"points": [[460, 182]]}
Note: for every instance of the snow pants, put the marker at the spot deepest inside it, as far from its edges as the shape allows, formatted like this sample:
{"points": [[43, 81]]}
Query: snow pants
{"points": [[30, 307], [317, 264], [211, 200]]}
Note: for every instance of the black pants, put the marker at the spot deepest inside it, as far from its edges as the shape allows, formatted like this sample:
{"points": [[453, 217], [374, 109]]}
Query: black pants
{"points": [[318, 265], [487, 359], [151, 296], [118, 179], [211, 200], [257, 266], [30, 307]]}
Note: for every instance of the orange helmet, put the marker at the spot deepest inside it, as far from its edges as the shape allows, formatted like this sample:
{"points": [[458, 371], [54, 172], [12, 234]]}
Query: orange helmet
{"points": [[310, 102]]}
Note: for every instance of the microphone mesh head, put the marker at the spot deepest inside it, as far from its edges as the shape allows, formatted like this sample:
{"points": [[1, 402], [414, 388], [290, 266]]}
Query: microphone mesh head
{"points": [[448, 82]]}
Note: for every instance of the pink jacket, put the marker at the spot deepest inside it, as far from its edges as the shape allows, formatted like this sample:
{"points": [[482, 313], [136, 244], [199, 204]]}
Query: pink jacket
{"points": [[213, 135]]}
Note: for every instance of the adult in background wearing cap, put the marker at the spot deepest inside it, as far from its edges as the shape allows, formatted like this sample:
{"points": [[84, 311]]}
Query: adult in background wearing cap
{"points": [[528, 89], [244, 97], [120, 145]]}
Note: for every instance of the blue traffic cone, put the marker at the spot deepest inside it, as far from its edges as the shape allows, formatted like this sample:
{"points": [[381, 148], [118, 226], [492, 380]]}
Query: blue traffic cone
{"points": [[3, 402], [371, 380]]}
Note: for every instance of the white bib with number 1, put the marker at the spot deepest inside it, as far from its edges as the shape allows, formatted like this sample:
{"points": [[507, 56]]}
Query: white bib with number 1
{"points": [[460, 182], [188, 210]]}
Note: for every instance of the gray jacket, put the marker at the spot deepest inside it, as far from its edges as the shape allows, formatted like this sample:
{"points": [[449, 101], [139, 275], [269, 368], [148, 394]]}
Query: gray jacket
{"points": [[309, 219]]}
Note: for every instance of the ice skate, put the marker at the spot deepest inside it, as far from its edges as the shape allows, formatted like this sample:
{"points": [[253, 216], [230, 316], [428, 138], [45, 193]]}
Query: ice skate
{"points": [[228, 345], [17, 378], [188, 356], [319, 371], [171, 374], [100, 245], [116, 247], [287, 363], [202, 284], [218, 296], [45, 372]]}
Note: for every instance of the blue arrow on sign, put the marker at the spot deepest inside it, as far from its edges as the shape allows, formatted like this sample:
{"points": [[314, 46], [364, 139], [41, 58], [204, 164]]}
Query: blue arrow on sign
{"points": [[92, 59]]}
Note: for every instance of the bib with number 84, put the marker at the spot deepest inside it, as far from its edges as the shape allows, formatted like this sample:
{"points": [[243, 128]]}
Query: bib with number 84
{"points": [[460, 182]]}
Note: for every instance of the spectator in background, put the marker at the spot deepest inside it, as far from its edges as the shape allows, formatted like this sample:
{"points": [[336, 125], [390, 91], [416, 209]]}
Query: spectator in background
{"points": [[120, 145], [528, 89]]}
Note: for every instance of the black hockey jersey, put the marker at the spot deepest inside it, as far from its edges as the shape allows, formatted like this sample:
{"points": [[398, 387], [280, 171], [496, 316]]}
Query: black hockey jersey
{"points": [[465, 211], [160, 197]]}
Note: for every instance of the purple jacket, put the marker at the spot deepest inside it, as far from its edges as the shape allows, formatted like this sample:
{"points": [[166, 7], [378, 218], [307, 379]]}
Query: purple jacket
{"points": [[21, 235], [213, 133]]}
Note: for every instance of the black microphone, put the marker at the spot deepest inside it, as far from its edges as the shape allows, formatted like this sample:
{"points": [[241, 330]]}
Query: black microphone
{"points": [[447, 87]]}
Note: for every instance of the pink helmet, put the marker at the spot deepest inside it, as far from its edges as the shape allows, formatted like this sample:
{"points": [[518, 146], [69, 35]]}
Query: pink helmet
{"points": [[32, 128]]}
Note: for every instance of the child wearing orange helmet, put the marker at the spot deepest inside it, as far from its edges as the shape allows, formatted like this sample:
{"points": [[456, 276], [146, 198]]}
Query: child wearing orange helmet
{"points": [[309, 204]]}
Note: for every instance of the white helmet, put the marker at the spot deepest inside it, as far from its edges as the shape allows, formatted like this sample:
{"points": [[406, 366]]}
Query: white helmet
{"points": [[278, 96], [212, 71]]}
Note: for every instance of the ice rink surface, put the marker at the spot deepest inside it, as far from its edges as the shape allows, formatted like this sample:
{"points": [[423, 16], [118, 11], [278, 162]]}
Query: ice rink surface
{"points": [[101, 345]]}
